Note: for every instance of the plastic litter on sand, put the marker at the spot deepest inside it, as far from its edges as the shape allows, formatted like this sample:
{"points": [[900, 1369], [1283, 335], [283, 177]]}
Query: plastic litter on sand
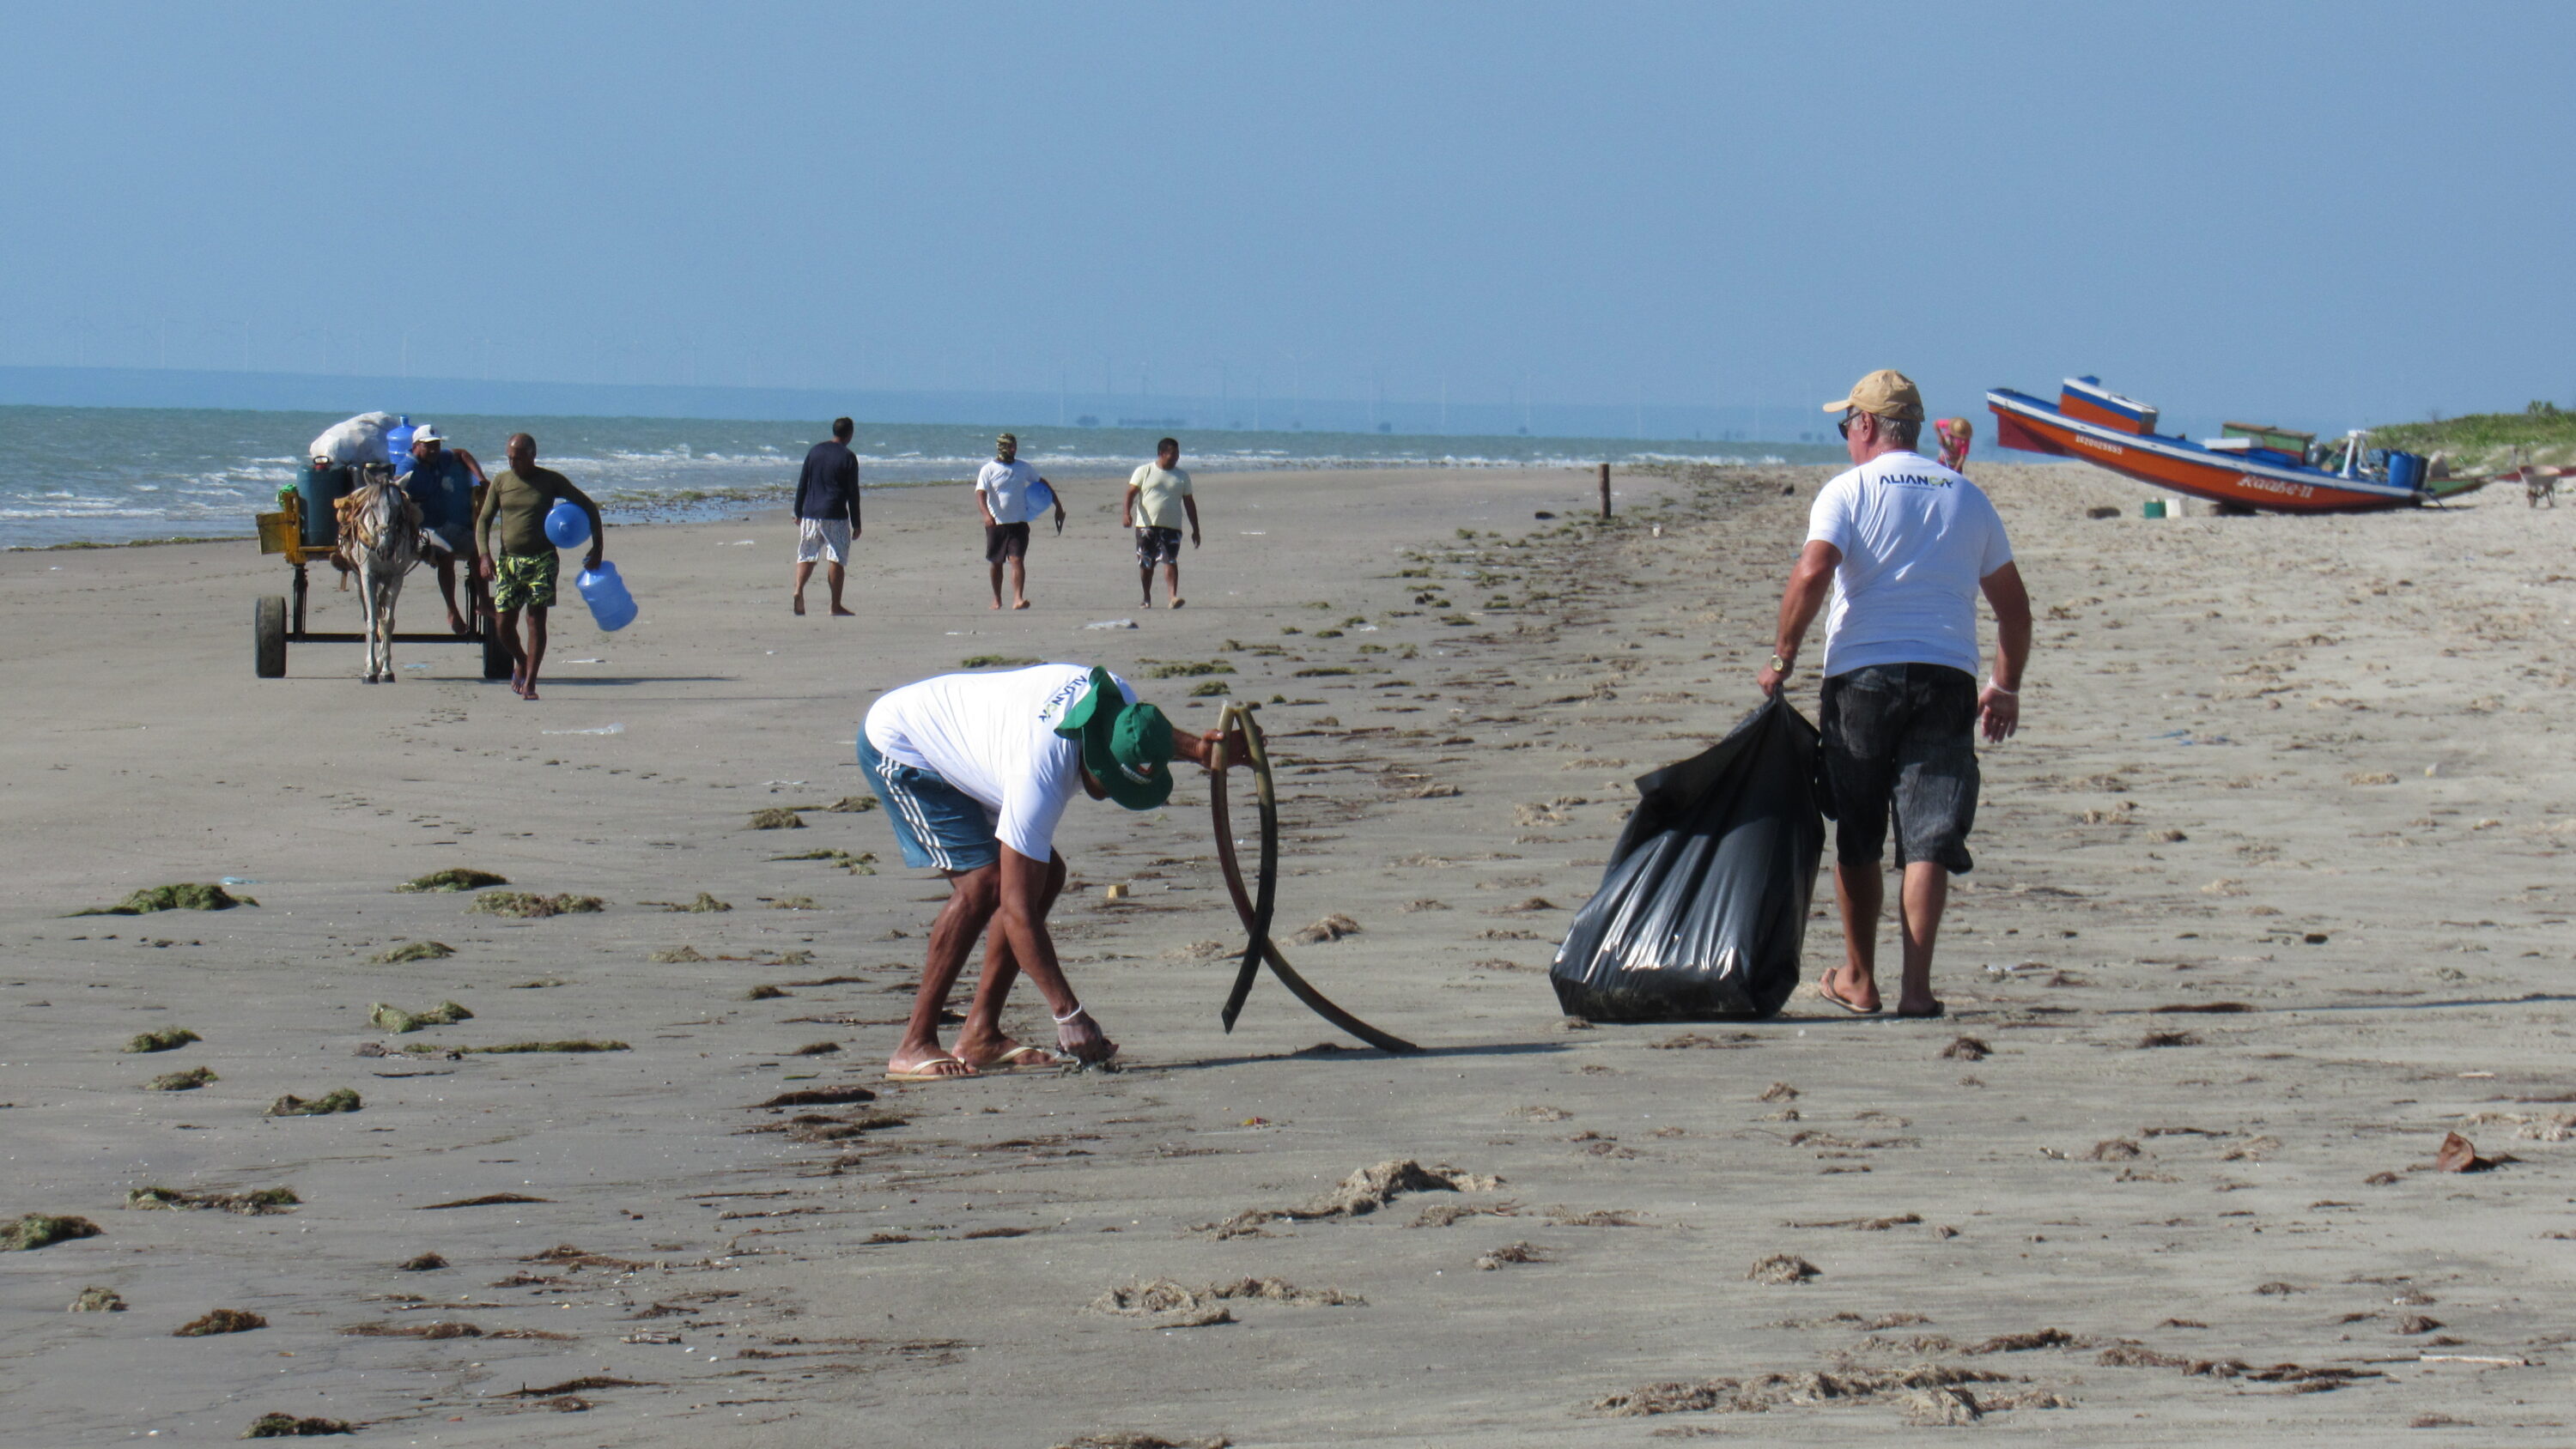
{"points": [[1111, 624], [606, 729]]}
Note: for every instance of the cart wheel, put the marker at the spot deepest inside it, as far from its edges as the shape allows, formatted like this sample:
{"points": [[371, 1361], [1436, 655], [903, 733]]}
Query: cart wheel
{"points": [[496, 660], [268, 636]]}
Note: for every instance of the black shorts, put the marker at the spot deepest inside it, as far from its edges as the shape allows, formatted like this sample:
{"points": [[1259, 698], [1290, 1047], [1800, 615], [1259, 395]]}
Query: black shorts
{"points": [[1005, 540], [1157, 545], [1901, 739]]}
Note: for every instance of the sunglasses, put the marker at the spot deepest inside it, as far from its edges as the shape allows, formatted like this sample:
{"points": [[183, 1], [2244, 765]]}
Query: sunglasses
{"points": [[1844, 427]]}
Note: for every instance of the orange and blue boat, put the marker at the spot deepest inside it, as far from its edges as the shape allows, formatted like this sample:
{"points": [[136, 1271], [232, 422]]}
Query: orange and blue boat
{"points": [[2273, 470]]}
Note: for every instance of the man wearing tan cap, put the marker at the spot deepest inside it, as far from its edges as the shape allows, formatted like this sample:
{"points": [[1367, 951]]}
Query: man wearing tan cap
{"points": [[1903, 546]]}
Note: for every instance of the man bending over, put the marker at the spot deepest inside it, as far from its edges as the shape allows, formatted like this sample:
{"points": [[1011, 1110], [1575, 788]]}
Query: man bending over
{"points": [[975, 770]]}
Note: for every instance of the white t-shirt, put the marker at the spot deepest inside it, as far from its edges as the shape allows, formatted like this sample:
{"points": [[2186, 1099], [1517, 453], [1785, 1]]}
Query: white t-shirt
{"points": [[1917, 540], [1005, 487], [993, 737], [1159, 491]]}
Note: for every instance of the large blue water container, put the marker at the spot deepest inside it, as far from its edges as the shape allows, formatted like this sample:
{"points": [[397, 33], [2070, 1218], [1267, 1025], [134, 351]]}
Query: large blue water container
{"points": [[566, 525], [2405, 470], [611, 607], [398, 447]]}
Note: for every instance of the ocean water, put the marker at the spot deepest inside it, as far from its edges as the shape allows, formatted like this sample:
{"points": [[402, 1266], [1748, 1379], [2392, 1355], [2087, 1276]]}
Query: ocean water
{"points": [[113, 475]]}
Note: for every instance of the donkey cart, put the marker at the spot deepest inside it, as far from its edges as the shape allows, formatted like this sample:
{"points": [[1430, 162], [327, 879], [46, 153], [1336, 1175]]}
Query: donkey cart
{"points": [[277, 620]]}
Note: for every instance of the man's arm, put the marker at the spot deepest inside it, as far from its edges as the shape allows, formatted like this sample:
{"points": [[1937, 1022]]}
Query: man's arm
{"points": [[1059, 504], [472, 465], [1999, 703], [598, 526], [1809, 584], [984, 504], [1127, 508], [485, 514], [1190, 505], [850, 496]]}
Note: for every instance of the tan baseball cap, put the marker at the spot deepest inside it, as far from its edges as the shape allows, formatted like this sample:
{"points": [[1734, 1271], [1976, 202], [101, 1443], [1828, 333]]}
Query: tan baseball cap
{"points": [[1886, 392]]}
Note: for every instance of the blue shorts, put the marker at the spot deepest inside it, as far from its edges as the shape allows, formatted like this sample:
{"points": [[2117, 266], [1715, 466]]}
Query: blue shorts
{"points": [[938, 826]]}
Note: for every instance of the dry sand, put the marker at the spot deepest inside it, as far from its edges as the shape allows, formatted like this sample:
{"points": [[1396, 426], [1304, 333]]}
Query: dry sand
{"points": [[2302, 767]]}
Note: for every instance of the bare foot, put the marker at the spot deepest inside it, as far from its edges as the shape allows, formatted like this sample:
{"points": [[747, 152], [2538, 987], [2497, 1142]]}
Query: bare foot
{"points": [[1022, 604], [931, 1066], [798, 602], [1178, 603], [529, 694], [456, 623], [840, 613], [997, 603]]}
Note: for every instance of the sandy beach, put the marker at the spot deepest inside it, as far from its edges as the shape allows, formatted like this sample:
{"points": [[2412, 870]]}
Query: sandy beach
{"points": [[2269, 898]]}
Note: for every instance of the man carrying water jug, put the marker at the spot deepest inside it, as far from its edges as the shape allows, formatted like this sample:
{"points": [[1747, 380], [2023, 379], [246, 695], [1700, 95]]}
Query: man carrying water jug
{"points": [[1904, 546], [522, 572]]}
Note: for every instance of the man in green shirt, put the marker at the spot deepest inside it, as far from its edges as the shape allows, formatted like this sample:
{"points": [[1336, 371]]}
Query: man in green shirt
{"points": [[522, 572]]}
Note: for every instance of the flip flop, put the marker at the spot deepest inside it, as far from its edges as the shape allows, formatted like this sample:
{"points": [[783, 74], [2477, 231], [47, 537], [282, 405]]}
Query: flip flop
{"points": [[1024, 1058], [926, 1071], [1825, 989], [1937, 1010]]}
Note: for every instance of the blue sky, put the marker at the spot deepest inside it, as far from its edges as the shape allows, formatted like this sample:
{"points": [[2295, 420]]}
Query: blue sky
{"points": [[2320, 214]]}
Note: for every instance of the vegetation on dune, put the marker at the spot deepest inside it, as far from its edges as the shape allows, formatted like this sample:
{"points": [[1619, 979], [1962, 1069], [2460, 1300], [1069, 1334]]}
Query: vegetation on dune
{"points": [[2484, 442]]}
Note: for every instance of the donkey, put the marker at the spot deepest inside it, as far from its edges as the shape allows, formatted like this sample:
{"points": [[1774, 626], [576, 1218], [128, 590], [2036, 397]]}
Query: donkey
{"points": [[380, 540]]}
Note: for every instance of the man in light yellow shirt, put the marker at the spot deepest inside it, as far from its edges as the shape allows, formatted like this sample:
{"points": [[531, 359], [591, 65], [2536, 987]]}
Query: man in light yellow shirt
{"points": [[1158, 499]]}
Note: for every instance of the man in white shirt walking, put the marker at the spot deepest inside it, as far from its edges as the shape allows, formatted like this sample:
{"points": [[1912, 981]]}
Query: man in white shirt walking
{"points": [[1158, 499], [975, 771], [1904, 545], [1008, 493]]}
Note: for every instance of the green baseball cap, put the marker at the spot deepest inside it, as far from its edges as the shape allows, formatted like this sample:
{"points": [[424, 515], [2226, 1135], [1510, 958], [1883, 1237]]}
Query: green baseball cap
{"points": [[1126, 747]]}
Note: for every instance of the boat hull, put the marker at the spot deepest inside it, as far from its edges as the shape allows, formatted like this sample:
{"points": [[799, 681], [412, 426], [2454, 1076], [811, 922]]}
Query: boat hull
{"points": [[2034, 426]]}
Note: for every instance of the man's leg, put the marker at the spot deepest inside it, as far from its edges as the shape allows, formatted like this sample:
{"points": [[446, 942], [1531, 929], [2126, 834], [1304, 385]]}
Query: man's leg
{"points": [[1172, 583], [447, 591], [1918, 906], [536, 648], [1019, 582], [1145, 581], [981, 1042], [509, 631], [804, 571], [833, 576], [972, 895], [997, 583], [1861, 891]]}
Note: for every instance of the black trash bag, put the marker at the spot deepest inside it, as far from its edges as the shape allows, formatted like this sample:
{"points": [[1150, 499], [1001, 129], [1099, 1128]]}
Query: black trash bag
{"points": [[1703, 911]]}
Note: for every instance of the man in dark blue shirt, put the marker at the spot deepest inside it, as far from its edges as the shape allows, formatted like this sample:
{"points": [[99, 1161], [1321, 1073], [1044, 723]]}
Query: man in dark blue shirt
{"points": [[442, 482], [827, 513]]}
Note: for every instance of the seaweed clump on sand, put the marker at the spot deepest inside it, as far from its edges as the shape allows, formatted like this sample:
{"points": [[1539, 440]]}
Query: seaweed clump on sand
{"points": [[187, 1081], [95, 1299], [288, 1426], [182, 897], [414, 951], [255, 1202], [396, 1020], [775, 819], [338, 1099], [166, 1039], [523, 906], [863, 863], [221, 1320], [852, 805], [705, 904], [425, 1263], [42, 1230], [677, 955], [454, 878]]}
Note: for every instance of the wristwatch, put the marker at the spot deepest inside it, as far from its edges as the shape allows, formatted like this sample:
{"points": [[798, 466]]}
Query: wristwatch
{"points": [[1780, 665]]}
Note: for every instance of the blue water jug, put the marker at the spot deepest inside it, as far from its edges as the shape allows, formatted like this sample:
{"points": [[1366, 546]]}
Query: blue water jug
{"points": [[611, 607], [398, 447], [566, 525]]}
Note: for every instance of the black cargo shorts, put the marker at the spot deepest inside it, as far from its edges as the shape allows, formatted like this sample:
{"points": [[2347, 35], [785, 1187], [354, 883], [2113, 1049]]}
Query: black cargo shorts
{"points": [[1901, 739]]}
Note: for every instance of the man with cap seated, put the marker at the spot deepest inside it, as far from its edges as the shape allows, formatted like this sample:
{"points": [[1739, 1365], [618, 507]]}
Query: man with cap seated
{"points": [[442, 482], [975, 771], [1905, 546], [1008, 492]]}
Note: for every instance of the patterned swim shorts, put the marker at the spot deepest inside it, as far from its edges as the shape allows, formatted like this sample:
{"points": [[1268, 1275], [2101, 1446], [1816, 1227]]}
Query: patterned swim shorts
{"points": [[1157, 545], [524, 581]]}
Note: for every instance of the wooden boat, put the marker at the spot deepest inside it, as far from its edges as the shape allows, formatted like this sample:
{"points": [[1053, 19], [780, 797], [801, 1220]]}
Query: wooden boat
{"points": [[2251, 467]]}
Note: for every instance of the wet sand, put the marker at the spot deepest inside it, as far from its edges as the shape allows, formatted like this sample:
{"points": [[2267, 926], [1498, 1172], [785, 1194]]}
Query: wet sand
{"points": [[2270, 896]]}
